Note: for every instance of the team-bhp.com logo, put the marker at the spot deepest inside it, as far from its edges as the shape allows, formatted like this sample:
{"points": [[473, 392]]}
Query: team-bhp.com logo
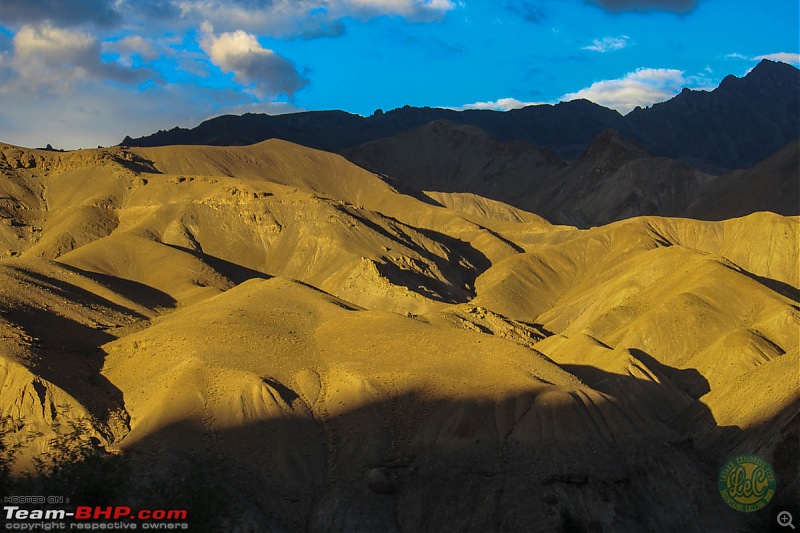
{"points": [[94, 517], [747, 483]]}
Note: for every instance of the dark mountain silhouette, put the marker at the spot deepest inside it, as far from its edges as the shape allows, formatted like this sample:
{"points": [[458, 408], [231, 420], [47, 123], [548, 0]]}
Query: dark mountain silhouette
{"points": [[736, 125], [565, 127]]}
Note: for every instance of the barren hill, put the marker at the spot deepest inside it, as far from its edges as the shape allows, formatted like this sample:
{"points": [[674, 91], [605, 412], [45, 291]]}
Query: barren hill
{"points": [[278, 339]]}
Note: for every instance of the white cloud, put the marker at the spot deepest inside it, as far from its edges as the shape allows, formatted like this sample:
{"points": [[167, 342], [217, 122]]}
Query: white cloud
{"points": [[131, 47], [785, 57], [737, 56], [502, 104], [50, 58], [253, 65], [65, 87], [134, 45], [609, 44], [53, 44], [643, 87]]}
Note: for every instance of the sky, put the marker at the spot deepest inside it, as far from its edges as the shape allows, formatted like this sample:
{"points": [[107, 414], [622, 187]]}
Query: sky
{"points": [[84, 73]]}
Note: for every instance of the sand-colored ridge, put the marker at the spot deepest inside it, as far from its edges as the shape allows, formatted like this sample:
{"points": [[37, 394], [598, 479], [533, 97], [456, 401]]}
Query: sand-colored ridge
{"points": [[302, 333]]}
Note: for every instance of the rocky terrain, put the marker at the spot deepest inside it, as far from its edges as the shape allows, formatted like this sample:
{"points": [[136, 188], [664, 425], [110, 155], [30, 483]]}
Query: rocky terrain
{"points": [[279, 339]]}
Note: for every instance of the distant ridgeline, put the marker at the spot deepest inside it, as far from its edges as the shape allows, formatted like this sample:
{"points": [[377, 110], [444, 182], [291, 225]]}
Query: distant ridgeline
{"points": [[737, 125]]}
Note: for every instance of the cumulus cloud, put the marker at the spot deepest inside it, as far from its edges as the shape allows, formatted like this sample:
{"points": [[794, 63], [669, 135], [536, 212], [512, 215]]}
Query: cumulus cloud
{"points": [[502, 104], [252, 65], [609, 44], [47, 57], [81, 85], [675, 6], [643, 87], [55, 90], [134, 45]]}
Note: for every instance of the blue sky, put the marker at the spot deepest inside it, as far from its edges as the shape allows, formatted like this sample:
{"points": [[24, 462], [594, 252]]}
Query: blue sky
{"points": [[82, 73]]}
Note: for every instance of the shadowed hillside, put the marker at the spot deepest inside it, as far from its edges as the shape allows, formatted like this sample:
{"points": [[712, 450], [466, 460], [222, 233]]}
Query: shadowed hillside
{"points": [[612, 180]]}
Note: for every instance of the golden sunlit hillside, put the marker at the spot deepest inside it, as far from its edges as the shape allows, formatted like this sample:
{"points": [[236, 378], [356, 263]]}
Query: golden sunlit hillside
{"points": [[277, 339]]}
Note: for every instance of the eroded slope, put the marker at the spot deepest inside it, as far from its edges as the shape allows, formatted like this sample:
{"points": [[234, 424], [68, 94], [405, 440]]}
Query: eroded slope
{"points": [[271, 335]]}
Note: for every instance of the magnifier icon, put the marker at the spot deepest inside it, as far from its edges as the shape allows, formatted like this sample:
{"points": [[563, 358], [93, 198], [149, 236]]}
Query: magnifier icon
{"points": [[785, 519]]}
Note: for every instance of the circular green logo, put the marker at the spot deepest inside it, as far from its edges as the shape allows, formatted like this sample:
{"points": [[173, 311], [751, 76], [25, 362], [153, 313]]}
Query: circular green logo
{"points": [[747, 483]]}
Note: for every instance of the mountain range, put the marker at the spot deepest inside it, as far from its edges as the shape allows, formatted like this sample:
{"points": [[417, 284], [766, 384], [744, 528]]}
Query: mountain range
{"points": [[737, 125]]}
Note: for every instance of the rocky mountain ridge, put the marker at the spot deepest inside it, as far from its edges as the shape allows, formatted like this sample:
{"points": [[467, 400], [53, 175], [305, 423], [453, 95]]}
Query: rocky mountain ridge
{"points": [[736, 125]]}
